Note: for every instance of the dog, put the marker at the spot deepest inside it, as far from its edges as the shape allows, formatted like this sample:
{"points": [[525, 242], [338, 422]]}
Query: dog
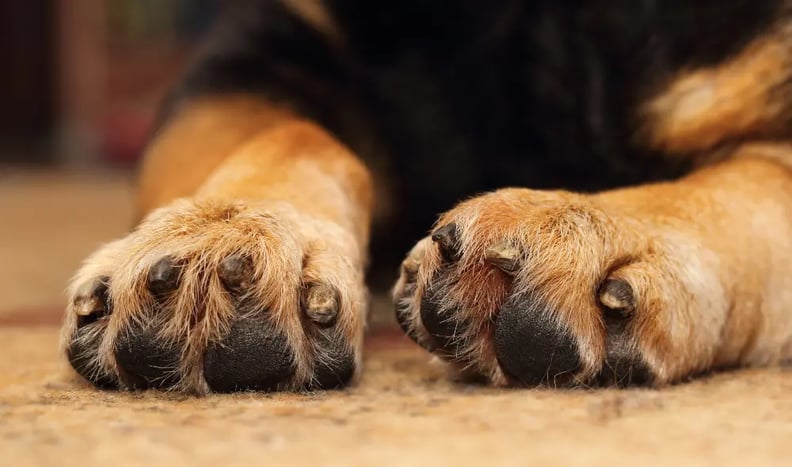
{"points": [[624, 170]]}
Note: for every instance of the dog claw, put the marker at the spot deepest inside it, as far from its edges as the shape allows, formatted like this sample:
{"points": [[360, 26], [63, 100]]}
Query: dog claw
{"points": [[447, 239], [617, 297], [410, 269], [503, 256], [163, 277], [92, 298], [236, 272], [320, 303]]}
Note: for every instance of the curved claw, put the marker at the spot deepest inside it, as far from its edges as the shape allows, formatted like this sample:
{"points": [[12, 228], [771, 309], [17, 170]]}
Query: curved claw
{"points": [[447, 239], [504, 257], [91, 298], [236, 272], [321, 304], [617, 297], [163, 277], [91, 302]]}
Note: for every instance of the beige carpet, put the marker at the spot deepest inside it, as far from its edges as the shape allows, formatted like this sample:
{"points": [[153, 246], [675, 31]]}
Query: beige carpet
{"points": [[403, 411]]}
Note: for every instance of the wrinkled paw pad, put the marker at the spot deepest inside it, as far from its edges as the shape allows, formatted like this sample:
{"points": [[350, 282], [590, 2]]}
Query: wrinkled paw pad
{"points": [[145, 361], [532, 348], [253, 356], [336, 365], [446, 330]]}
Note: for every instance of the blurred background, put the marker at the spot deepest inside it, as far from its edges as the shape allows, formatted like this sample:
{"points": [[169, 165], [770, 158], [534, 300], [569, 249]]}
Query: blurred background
{"points": [[83, 78], [79, 90]]}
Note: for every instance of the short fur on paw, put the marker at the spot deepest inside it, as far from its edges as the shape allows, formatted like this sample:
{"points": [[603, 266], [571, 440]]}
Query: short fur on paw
{"points": [[531, 288], [216, 295]]}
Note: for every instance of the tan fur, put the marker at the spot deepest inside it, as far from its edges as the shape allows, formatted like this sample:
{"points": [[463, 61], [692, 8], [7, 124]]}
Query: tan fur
{"points": [[196, 140], [286, 195], [708, 257], [741, 98]]}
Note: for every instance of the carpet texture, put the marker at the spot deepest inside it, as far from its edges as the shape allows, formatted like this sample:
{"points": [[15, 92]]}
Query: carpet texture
{"points": [[404, 411]]}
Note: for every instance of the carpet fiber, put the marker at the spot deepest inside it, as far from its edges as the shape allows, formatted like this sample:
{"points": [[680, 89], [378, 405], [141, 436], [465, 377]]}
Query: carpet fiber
{"points": [[403, 411]]}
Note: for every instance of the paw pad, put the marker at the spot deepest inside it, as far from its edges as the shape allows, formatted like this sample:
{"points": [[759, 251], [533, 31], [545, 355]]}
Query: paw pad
{"points": [[147, 361], [252, 357]]}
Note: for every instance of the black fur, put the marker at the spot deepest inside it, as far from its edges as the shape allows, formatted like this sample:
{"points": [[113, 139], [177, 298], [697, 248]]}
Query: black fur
{"points": [[451, 98]]}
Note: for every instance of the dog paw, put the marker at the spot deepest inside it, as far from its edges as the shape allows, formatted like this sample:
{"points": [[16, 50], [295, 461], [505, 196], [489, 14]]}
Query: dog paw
{"points": [[523, 287], [220, 296]]}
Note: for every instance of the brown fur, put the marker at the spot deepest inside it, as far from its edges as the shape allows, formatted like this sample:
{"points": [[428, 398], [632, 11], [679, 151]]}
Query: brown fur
{"points": [[707, 256], [277, 190], [742, 98], [197, 139]]}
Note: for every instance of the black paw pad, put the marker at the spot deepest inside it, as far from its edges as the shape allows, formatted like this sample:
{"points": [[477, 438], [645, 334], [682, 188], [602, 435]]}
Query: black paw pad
{"points": [[253, 356], [82, 353], [335, 363], [409, 269], [403, 317], [531, 347], [623, 370], [145, 360], [442, 324]]}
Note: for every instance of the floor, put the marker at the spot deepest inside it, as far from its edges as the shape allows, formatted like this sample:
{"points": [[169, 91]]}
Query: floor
{"points": [[403, 411]]}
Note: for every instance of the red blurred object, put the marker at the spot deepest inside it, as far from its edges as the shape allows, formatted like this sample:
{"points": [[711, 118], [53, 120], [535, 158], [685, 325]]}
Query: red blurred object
{"points": [[124, 136], [117, 61]]}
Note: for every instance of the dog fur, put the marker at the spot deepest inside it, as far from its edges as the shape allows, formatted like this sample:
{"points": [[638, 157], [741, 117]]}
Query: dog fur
{"points": [[654, 243]]}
